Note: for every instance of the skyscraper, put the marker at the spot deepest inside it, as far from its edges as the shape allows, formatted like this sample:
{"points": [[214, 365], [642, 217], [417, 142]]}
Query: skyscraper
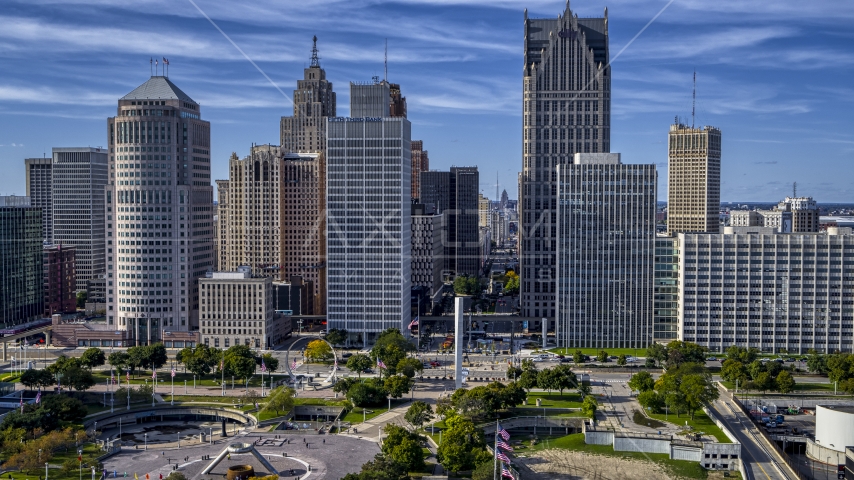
{"points": [[59, 282], [605, 250], [427, 248], [435, 190], [39, 177], [693, 179], [314, 101], [21, 288], [252, 212], [304, 223], [159, 211], [397, 103], [77, 191], [566, 109], [368, 223], [420, 163]]}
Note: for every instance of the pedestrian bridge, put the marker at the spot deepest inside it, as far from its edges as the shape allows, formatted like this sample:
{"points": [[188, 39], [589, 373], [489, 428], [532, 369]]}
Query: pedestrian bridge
{"points": [[135, 415]]}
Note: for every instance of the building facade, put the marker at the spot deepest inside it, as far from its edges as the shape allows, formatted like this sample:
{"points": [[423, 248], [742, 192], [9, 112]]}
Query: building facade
{"points": [[304, 223], [666, 289], [435, 190], [482, 210], [22, 287], [693, 179], [39, 181], [606, 241], [60, 286], [369, 222], [566, 109], [426, 248], [78, 189], [463, 249], [238, 309], [805, 213], [159, 212], [755, 287], [420, 163], [314, 101]]}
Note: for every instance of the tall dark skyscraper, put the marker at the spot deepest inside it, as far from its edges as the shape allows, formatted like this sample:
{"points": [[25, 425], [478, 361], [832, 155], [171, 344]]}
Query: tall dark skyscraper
{"points": [[566, 110], [22, 285]]}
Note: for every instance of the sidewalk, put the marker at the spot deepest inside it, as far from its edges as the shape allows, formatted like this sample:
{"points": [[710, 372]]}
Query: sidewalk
{"points": [[371, 428]]}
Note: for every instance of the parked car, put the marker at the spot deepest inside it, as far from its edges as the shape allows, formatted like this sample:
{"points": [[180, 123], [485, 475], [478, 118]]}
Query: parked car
{"points": [[368, 370], [539, 359], [435, 363], [560, 356]]}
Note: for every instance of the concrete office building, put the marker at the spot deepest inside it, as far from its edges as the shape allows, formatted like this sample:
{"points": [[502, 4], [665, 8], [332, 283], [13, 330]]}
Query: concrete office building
{"points": [[370, 99], [791, 215], [159, 212], [294, 297], [427, 248], [251, 212], [482, 210], [498, 226], [805, 213], [304, 223], [606, 240], [78, 189], [314, 101], [22, 285], [566, 109], [369, 222], [397, 102], [420, 163], [39, 181], [755, 287], [238, 309], [693, 179], [60, 286]]}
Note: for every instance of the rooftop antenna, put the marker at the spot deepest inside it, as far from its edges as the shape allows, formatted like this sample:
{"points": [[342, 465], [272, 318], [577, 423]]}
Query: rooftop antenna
{"points": [[385, 61], [794, 189], [315, 60], [496, 185], [694, 99]]}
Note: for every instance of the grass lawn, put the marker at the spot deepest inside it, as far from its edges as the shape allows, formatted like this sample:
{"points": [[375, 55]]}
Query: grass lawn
{"points": [[90, 452], [685, 469], [165, 380], [799, 387], [701, 423], [554, 400], [356, 415], [635, 352]]}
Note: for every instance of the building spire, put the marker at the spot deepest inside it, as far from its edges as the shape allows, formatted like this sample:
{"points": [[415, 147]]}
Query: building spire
{"points": [[315, 60]]}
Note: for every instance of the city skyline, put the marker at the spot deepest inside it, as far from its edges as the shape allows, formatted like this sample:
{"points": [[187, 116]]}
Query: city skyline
{"points": [[462, 84]]}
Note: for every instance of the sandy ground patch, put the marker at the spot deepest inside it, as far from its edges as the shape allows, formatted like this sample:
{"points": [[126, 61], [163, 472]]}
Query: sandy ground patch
{"points": [[570, 465]]}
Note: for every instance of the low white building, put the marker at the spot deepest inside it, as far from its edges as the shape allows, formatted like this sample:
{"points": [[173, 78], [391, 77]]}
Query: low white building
{"points": [[236, 308]]}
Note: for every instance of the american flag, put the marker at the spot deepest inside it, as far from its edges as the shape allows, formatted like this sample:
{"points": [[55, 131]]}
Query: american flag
{"points": [[504, 446], [173, 373], [505, 472], [380, 364], [413, 323], [154, 374], [499, 455], [222, 365], [503, 433], [294, 365], [127, 375], [263, 366], [38, 397]]}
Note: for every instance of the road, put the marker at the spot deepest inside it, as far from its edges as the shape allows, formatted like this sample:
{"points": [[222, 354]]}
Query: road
{"points": [[761, 461]]}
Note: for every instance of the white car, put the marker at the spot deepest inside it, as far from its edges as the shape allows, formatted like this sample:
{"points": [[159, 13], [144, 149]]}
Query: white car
{"points": [[539, 359]]}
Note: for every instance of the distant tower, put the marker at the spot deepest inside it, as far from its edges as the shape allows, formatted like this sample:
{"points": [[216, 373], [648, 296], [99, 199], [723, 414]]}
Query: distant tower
{"points": [[694, 179], [314, 101]]}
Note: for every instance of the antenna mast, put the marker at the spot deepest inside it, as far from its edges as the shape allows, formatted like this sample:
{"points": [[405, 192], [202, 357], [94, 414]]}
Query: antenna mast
{"points": [[794, 189], [385, 61], [496, 186], [315, 60], [694, 99]]}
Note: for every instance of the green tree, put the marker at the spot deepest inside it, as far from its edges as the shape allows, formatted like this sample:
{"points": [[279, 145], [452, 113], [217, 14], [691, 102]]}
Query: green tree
{"points": [[602, 356], [641, 382], [486, 470], [79, 379], [137, 358], [409, 366], [679, 352], [33, 378], [397, 385], [92, 357], [175, 476], [785, 382], [81, 299], [763, 382], [200, 360], [584, 389], [755, 368], [358, 363], [657, 352], [564, 378], [589, 406], [240, 362], [343, 385], [156, 355], [368, 393], [63, 364], [280, 400], [622, 360], [382, 467], [404, 447], [271, 363], [817, 363], [839, 366], [578, 357], [391, 347], [318, 351], [741, 354], [418, 414], [651, 400], [64, 408], [697, 390], [547, 380], [118, 360], [336, 336], [462, 446], [734, 370]]}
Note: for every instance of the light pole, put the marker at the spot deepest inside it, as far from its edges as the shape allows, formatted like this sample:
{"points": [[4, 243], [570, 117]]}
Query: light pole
{"points": [[80, 460], [45, 470], [145, 436]]}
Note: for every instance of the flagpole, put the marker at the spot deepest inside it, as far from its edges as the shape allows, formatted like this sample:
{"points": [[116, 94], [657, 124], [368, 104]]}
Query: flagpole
{"points": [[495, 453], [172, 400]]}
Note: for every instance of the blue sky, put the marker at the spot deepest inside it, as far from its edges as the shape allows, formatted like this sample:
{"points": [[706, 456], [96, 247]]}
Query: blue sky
{"points": [[774, 76]]}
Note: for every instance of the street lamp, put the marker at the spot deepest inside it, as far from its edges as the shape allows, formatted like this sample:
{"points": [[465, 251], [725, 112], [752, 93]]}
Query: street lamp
{"points": [[145, 435]]}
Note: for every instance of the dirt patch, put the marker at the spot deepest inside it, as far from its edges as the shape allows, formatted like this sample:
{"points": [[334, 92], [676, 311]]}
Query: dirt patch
{"points": [[640, 419], [571, 465]]}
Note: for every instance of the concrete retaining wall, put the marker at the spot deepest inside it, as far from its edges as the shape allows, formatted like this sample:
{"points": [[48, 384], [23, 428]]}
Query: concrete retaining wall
{"points": [[634, 444], [681, 452], [599, 438]]}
